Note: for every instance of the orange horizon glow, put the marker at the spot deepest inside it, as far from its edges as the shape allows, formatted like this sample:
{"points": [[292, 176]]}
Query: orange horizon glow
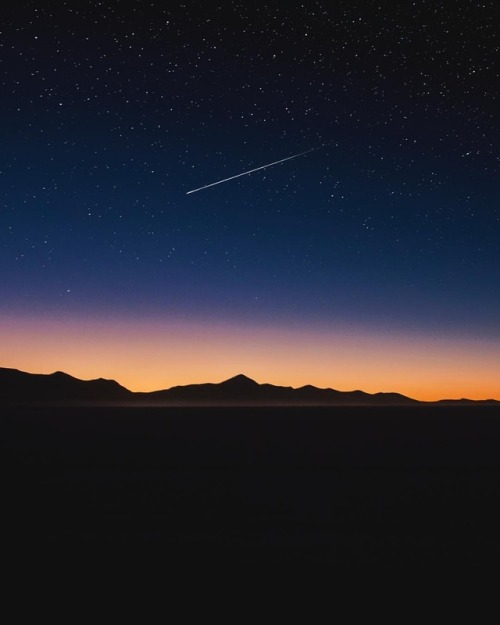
{"points": [[153, 354]]}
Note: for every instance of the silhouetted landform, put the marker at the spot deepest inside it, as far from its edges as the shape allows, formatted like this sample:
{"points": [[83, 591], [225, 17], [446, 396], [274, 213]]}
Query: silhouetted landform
{"points": [[22, 388], [243, 390], [464, 402]]}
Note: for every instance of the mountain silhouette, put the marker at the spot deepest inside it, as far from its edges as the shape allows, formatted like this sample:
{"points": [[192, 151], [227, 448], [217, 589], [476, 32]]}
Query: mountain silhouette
{"points": [[243, 390], [20, 387], [240, 381]]}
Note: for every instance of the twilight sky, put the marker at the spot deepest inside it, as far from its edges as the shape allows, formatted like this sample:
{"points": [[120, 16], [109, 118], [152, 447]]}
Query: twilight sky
{"points": [[372, 263]]}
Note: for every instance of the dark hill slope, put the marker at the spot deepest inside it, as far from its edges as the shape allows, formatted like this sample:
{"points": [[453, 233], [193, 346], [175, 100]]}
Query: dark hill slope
{"points": [[26, 388], [243, 390]]}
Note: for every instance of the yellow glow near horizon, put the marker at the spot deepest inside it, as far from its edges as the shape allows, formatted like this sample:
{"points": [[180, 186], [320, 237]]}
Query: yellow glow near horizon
{"points": [[153, 354]]}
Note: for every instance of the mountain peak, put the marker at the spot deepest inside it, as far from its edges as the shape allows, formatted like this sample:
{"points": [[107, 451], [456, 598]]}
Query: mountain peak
{"points": [[241, 381]]}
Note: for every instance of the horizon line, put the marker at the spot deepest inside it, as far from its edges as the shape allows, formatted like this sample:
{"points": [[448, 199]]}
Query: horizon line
{"points": [[241, 375]]}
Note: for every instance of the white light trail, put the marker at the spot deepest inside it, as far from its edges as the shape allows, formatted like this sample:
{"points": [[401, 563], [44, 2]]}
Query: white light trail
{"points": [[250, 171]]}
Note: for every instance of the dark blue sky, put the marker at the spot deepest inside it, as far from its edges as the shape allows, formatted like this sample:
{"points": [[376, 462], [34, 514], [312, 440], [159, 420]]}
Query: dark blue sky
{"points": [[112, 111]]}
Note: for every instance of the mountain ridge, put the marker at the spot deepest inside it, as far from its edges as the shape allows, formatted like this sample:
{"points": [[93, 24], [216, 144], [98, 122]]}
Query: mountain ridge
{"points": [[20, 387]]}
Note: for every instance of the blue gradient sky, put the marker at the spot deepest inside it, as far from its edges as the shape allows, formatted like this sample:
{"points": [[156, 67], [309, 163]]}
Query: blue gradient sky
{"points": [[388, 235]]}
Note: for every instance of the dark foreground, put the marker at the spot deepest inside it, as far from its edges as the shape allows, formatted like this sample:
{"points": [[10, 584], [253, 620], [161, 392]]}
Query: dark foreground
{"points": [[191, 487]]}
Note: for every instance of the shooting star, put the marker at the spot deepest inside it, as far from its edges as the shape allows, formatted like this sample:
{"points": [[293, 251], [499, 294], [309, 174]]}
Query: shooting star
{"points": [[250, 171]]}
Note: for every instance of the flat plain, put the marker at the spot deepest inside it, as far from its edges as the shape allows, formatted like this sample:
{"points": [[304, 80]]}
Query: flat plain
{"points": [[341, 486]]}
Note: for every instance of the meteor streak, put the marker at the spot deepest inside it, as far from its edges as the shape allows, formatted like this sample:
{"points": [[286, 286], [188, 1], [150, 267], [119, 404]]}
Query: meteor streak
{"points": [[250, 171]]}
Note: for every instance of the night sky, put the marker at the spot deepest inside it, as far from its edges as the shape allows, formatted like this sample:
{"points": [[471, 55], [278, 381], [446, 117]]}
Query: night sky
{"points": [[372, 262]]}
